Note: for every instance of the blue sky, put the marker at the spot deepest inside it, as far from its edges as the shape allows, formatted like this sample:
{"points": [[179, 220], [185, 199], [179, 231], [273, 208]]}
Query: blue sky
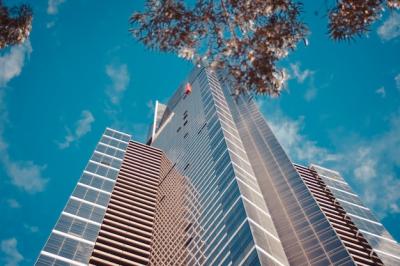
{"points": [[81, 71]]}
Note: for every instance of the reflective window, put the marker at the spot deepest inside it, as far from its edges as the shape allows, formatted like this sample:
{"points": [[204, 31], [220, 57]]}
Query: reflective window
{"points": [[77, 227], [85, 210], [91, 195], [107, 160], [116, 135], [68, 248], [110, 151], [102, 170], [96, 182]]}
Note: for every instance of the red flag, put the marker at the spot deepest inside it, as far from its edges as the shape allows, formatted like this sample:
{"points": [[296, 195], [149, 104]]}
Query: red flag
{"points": [[188, 88]]}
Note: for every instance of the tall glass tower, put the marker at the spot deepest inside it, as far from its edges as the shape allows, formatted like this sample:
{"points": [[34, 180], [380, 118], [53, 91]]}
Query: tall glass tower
{"points": [[213, 186], [255, 205]]}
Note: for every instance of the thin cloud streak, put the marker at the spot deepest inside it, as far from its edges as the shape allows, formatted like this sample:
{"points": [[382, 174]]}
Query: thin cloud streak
{"points": [[374, 162], [301, 76], [390, 29], [31, 228], [25, 175], [120, 78], [12, 62], [82, 127], [151, 105], [296, 144], [50, 24], [381, 92], [311, 93], [369, 162], [12, 257], [53, 5], [13, 203], [397, 81]]}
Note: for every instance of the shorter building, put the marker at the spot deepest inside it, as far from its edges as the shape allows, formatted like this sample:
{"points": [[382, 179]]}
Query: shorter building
{"points": [[364, 237], [130, 207], [73, 238]]}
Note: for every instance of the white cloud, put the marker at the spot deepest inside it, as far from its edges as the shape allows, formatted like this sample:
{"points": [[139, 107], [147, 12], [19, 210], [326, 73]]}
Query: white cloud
{"points": [[31, 228], [50, 24], [374, 162], [381, 91], [366, 166], [24, 174], [397, 80], [301, 76], [12, 257], [290, 134], [11, 63], [13, 203], [52, 6], [84, 124], [370, 163], [390, 29], [311, 93], [151, 105], [82, 127], [120, 79]]}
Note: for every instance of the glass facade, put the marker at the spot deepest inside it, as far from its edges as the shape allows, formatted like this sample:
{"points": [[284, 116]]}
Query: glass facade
{"points": [[305, 233], [368, 225], [254, 208], [198, 133], [72, 240], [214, 188]]}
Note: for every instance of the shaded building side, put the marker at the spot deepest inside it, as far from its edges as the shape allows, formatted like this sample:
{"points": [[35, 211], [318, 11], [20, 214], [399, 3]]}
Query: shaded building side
{"points": [[125, 237], [176, 226]]}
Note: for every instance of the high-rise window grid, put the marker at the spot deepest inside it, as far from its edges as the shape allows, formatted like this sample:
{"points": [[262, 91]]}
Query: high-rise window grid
{"points": [[214, 188]]}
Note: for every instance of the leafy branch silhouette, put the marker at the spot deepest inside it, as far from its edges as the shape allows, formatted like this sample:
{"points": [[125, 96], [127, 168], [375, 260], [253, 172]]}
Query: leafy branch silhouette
{"points": [[15, 24], [246, 38]]}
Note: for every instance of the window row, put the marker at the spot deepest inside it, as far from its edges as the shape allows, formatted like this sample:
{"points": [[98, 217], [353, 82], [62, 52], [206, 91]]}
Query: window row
{"points": [[338, 185], [96, 182], [114, 142], [107, 160], [110, 151], [77, 228], [91, 195], [117, 135], [102, 170], [44, 260], [85, 210], [68, 248]]}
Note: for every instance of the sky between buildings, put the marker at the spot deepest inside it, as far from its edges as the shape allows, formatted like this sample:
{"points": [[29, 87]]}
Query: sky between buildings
{"points": [[81, 71]]}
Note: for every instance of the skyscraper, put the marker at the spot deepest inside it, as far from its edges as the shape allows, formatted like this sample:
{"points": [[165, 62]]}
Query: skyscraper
{"points": [[214, 188], [236, 165]]}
